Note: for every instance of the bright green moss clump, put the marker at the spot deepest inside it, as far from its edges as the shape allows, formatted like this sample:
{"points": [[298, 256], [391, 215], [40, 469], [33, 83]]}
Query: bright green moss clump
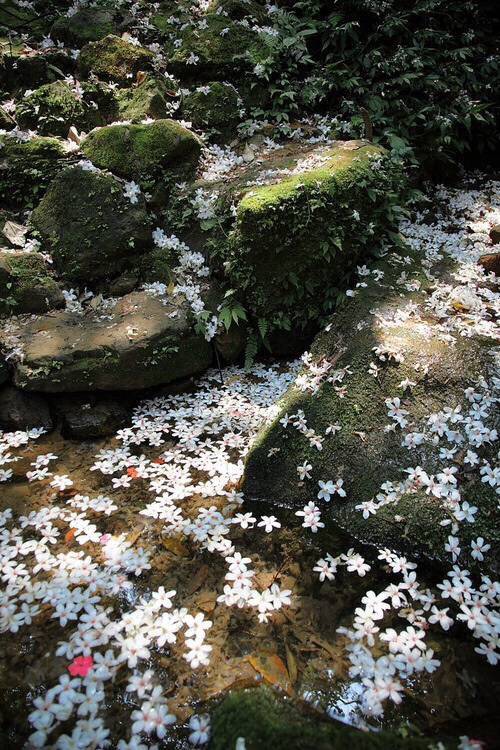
{"points": [[132, 150], [265, 721], [53, 108], [113, 58], [151, 98]]}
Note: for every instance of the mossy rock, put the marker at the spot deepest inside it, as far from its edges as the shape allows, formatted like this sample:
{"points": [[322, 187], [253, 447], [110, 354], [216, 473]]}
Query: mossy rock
{"points": [[21, 71], [53, 108], [214, 108], [151, 98], [266, 721], [115, 59], [295, 241], [156, 266], [26, 285], [14, 17], [92, 231], [141, 342], [224, 49], [363, 453], [27, 168], [86, 25], [237, 10], [134, 150], [6, 121]]}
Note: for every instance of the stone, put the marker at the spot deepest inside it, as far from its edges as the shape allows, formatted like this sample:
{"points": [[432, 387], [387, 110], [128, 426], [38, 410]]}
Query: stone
{"points": [[27, 168], [4, 370], [151, 97], [26, 284], [114, 59], [294, 239], [91, 230], [225, 55], [21, 411], [53, 108], [139, 343], [495, 234], [363, 453], [491, 263], [134, 150], [86, 25], [87, 419], [214, 108]]}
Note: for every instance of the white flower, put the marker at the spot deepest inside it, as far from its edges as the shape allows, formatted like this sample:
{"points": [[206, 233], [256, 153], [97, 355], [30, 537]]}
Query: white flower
{"points": [[200, 726]]}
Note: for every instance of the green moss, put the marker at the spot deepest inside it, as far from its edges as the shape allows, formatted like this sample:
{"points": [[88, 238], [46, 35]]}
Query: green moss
{"points": [[225, 54], [6, 121], [265, 721], [86, 25], [53, 108], [152, 98], [216, 110], [295, 242], [156, 266], [90, 228], [132, 150], [14, 17], [27, 168], [113, 58], [26, 285]]}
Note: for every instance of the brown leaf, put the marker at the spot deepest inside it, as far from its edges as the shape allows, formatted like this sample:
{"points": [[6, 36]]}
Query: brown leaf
{"points": [[272, 669], [173, 545], [69, 536], [15, 233], [197, 580], [291, 664]]}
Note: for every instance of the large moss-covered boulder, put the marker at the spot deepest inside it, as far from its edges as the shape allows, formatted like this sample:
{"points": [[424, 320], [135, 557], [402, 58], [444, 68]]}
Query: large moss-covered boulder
{"points": [[263, 720], [151, 97], [304, 218], [220, 49], [86, 25], [90, 228], [134, 150], [26, 284], [143, 341], [214, 108], [393, 348], [115, 59], [27, 168], [53, 108]]}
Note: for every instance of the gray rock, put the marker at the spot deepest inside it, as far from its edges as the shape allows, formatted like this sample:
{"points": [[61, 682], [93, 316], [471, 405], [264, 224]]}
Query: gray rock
{"points": [[20, 411], [139, 343]]}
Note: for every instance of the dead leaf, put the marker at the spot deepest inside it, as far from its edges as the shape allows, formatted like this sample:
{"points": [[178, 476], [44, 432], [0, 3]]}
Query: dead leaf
{"points": [[74, 136], [272, 669], [206, 602], [197, 580], [134, 536], [173, 545], [291, 664], [69, 536]]}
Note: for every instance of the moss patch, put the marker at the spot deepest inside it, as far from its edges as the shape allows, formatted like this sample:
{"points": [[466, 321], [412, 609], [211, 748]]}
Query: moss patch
{"points": [[112, 58], [91, 229], [132, 150], [27, 168], [26, 285], [86, 25], [214, 108], [53, 108], [151, 98], [265, 721]]}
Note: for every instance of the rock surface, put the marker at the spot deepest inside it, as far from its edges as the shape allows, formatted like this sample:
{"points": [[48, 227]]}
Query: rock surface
{"points": [[21, 411], [113, 58], [54, 108], [27, 168], [26, 285], [91, 230], [362, 451], [137, 344], [86, 419]]}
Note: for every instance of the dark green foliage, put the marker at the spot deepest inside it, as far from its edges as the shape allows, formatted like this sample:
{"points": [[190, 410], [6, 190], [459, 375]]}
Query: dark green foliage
{"points": [[265, 721], [427, 72]]}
